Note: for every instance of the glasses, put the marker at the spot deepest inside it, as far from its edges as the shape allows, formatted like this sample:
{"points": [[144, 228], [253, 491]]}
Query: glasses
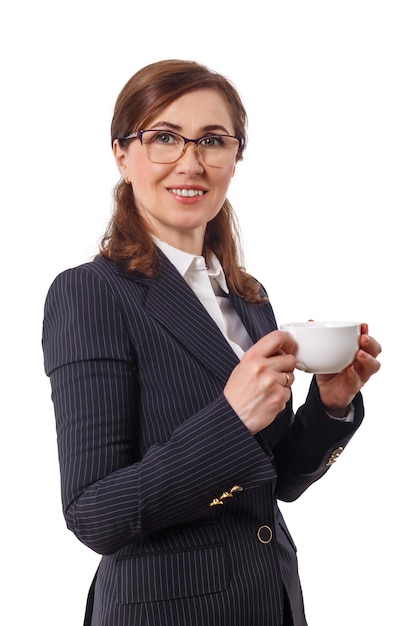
{"points": [[163, 146]]}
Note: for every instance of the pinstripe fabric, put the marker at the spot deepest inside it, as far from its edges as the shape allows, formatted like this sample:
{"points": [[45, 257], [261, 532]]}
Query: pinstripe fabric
{"points": [[146, 440]]}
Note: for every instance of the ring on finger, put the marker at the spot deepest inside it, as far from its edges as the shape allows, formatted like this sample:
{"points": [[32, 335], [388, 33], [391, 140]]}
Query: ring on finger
{"points": [[286, 384]]}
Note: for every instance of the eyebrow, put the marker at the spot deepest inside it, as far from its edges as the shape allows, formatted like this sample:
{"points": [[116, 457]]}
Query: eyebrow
{"points": [[205, 129]]}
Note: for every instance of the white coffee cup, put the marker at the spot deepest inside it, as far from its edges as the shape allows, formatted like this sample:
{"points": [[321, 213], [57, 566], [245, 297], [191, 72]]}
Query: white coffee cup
{"points": [[324, 347]]}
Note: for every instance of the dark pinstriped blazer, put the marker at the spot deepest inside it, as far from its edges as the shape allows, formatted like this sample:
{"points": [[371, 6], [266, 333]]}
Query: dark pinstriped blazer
{"points": [[148, 443]]}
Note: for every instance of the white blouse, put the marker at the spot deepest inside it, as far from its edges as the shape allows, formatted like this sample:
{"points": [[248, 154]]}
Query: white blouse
{"points": [[207, 280]]}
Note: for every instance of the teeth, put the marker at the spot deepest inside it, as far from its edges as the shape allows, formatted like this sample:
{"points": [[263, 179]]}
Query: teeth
{"points": [[187, 193]]}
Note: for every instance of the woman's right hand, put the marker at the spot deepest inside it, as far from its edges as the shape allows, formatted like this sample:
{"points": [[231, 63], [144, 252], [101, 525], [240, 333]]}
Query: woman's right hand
{"points": [[260, 386]]}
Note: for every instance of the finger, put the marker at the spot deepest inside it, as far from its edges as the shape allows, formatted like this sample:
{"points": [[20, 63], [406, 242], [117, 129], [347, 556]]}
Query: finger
{"points": [[366, 365], [272, 344], [354, 378], [284, 363], [370, 345], [288, 379]]}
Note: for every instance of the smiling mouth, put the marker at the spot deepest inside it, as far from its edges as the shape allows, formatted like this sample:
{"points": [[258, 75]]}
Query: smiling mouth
{"points": [[187, 193]]}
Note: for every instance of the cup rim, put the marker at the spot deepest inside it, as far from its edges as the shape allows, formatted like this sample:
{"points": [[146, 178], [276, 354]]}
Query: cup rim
{"points": [[321, 324]]}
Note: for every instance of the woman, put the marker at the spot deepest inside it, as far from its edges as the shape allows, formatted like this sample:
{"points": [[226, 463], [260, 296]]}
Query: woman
{"points": [[172, 385]]}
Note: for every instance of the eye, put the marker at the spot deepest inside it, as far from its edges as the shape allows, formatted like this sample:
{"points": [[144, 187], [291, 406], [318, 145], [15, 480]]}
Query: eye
{"points": [[212, 141], [164, 138]]}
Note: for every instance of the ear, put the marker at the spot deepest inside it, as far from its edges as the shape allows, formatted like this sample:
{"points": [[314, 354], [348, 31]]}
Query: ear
{"points": [[120, 158]]}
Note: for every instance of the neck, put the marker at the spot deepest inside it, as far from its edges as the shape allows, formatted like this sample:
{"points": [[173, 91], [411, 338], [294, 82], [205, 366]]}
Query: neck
{"points": [[192, 244]]}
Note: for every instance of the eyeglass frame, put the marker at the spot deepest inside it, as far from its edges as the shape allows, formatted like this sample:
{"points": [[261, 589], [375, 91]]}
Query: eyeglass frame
{"points": [[138, 134]]}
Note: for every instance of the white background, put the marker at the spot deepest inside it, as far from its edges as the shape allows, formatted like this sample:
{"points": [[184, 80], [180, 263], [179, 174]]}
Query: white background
{"points": [[326, 196]]}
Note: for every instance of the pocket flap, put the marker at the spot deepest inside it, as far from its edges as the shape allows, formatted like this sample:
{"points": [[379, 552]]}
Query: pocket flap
{"points": [[169, 575]]}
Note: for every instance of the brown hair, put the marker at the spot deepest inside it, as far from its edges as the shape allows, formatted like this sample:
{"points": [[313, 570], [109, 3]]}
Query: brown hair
{"points": [[127, 238]]}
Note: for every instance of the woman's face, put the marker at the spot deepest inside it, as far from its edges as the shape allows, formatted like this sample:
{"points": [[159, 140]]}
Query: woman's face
{"points": [[177, 219]]}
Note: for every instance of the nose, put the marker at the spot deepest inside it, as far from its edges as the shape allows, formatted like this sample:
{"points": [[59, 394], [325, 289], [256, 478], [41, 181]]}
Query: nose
{"points": [[190, 159]]}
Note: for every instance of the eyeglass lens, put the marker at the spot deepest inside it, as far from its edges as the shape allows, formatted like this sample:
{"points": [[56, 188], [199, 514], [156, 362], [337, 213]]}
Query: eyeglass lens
{"points": [[167, 147]]}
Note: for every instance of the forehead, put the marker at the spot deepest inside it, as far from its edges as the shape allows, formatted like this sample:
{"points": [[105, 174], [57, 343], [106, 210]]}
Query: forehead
{"points": [[196, 111]]}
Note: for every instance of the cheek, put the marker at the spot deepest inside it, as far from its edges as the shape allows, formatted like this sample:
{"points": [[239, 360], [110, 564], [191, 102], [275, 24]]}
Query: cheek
{"points": [[147, 181], [226, 178], [147, 174]]}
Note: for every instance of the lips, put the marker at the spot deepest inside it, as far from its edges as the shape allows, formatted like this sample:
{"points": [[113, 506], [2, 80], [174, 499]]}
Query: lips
{"points": [[186, 193]]}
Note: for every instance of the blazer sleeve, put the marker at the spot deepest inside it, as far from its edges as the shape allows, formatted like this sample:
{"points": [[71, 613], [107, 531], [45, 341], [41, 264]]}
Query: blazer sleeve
{"points": [[110, 494], [307, 450]]}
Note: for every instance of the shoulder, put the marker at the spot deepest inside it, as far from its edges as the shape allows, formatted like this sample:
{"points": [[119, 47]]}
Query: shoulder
{"points": [[262, 291], [95, 270], [96, 276], [84, 292], [83, 318]]}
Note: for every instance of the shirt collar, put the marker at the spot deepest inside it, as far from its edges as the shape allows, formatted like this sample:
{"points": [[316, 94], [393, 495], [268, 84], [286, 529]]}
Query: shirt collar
{"points": [[183, 262]]}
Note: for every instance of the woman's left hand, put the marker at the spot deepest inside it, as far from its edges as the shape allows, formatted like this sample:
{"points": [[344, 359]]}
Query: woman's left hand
{"points": [[338, 390]]}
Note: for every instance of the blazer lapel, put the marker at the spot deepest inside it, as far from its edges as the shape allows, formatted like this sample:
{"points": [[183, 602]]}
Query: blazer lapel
{"points": [[254, 317], [173, 303]]}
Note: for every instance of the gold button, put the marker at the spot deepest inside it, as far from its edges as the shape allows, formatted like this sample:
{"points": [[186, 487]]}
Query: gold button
{"points": [[215, 502], [235, 489], [335, 455], [226, 494], [264, 534]]}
